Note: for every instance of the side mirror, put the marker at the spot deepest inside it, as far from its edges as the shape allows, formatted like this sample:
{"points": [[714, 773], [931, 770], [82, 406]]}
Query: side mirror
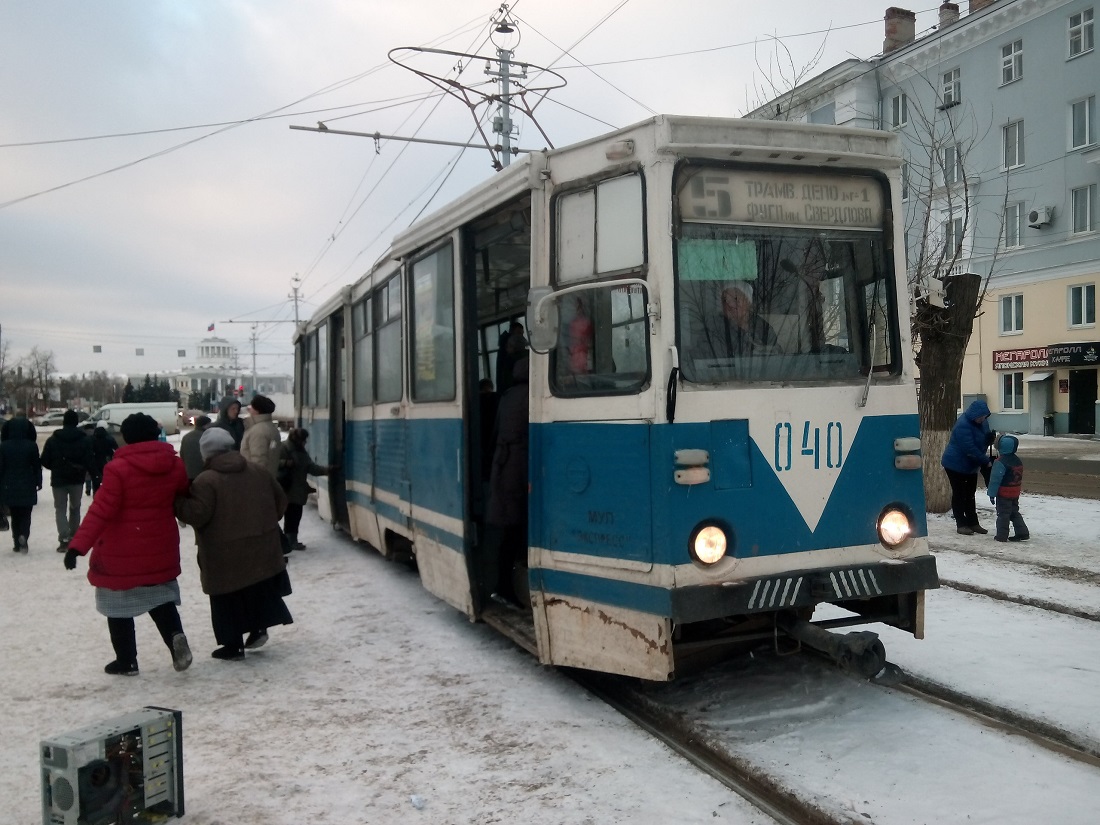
{"points": [[542, 319]]}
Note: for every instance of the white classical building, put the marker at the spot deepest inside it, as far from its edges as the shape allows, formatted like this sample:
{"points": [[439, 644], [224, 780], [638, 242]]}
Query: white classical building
{"points": [[217, 373]]}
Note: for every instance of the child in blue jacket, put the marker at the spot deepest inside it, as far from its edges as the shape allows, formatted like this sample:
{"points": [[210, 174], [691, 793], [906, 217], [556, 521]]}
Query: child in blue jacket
{"points": [[1005, 483]]}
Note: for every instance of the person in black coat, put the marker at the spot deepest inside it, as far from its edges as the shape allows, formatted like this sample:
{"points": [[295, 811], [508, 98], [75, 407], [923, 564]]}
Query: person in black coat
{"points": [[68, 457], [20, 478], [229, 419], [505, 548], [103, 450]]}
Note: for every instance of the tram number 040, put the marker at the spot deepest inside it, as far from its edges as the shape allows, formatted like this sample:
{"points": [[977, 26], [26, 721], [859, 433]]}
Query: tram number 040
{"points": [[824, 444]]}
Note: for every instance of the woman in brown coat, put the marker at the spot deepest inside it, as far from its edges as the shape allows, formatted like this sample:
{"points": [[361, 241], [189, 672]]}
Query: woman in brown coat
{"points": [[235, 507]]}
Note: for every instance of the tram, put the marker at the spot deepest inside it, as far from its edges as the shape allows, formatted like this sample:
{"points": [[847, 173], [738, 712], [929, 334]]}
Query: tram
{"points": [[723, 439]]}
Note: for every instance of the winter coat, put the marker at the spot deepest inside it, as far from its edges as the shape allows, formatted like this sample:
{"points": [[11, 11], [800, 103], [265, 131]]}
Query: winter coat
{"points": [[508, 480], [68, 456], [235, 507], [103, 449], [295, 465], [1007, 478], [11, 421], [261, 442], [235, 427], [20, 466], [130, 527], [189, 452], [966, 449]]}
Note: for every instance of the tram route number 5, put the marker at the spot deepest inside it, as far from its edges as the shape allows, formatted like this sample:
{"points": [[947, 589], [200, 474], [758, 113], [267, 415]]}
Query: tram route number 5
{"points": [[821, 443]]}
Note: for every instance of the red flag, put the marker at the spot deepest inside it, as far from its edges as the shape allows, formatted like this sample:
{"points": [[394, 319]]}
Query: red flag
{"points": [[210, 328]]}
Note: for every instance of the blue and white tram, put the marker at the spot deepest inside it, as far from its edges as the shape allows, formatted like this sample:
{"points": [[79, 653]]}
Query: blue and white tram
{"points": [[723, 441]]}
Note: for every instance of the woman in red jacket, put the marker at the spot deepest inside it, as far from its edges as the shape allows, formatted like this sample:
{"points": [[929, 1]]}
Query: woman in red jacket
{"points": [[131, 532]]}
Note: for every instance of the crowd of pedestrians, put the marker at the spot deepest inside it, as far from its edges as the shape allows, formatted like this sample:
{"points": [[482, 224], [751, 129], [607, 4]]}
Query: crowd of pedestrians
{"points": [[230, 482]]}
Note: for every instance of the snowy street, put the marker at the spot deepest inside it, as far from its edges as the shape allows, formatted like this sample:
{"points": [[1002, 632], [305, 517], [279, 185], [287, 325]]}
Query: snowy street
{"points": [[381, 704]]}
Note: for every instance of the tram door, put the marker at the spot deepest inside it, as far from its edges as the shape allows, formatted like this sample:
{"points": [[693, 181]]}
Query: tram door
{"points": [[338, 421]]}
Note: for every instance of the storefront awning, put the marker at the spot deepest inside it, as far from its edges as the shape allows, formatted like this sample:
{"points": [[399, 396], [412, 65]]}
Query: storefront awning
{"points": [[1039, 376]]}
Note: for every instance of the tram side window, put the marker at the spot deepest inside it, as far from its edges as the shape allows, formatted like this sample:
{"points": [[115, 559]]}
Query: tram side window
{"points": [[387, 352], [602, 342], [362, 353], [603, 345], [315, 368], [309, 370], [433, 326], [600, 229], [322, 365]]}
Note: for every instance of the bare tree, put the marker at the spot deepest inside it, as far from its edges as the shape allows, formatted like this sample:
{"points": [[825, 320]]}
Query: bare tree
{"points": [[946, 297], [781, 77], [37, 369]]}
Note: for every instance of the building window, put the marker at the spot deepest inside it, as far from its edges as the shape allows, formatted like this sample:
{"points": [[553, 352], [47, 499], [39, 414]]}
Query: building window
{"points": [[1012, 137], [952, 167], [824, 114], [1012, 314], [1082, 117], [1082, 305], [1013, 235], [905, 181], [953, 235], [1083, 206], [952, 88], [1080, 33], [1012, 391], [899, 110], [1012, 62]]}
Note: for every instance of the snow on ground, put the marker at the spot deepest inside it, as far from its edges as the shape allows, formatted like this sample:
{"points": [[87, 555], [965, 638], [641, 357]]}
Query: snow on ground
{"points": [[380, 693]]}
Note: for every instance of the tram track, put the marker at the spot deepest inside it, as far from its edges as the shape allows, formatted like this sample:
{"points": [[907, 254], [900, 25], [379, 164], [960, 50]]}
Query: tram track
{"points": [[739, 775], [772, 790], [1025, 601], [1043, 734]]}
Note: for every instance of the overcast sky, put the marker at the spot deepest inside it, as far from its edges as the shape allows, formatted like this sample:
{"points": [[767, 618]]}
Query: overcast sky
{"points": [[182, 227]]}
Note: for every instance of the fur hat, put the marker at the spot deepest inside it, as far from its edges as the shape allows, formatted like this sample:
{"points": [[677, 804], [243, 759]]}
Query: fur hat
{"points": [[140, 427], [215, 441], [263, 405]]}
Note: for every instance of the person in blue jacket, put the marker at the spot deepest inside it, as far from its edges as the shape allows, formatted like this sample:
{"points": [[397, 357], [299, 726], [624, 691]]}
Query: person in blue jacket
{"points": [[966, 455], [1005, 484]]}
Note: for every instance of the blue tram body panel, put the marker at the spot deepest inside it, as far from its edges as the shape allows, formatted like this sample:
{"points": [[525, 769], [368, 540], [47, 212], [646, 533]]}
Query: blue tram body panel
{"points": [[600, 493], [592, 490]]}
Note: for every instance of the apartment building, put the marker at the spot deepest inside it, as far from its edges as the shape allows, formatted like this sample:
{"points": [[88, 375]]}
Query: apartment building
{"points": [[997, 113]]}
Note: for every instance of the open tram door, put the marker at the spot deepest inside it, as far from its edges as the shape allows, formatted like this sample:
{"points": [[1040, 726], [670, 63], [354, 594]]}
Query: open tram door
{"points": [[337, 492]]}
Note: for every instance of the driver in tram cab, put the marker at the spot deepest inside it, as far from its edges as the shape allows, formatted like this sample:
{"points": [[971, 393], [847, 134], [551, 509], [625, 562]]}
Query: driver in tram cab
{"points": [[735, 329]]}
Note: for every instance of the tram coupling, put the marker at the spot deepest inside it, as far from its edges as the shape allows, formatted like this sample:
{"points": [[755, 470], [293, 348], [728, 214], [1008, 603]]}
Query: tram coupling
{"points": [[860, 652]]}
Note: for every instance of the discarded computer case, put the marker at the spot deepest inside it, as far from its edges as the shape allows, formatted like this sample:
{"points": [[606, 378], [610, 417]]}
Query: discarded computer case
{"points": [[122, 771]]}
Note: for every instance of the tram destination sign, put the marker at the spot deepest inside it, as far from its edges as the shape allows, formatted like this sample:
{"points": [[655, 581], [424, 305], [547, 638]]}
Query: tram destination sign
{"points": [[782, 199]]}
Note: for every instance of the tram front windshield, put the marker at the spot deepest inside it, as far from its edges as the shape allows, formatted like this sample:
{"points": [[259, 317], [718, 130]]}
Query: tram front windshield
{"points": [[782, 303]]}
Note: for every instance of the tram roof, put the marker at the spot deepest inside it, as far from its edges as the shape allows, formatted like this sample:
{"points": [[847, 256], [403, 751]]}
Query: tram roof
{"points": [[703, 137]]}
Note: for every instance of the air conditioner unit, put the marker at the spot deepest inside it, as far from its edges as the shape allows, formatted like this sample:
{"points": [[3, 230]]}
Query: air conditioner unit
{"points": [[1040, 217], [122, 770]]}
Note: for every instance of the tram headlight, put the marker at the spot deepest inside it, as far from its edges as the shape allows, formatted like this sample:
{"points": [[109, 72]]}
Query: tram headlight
{"points": [[709, 544], [894, 526]]}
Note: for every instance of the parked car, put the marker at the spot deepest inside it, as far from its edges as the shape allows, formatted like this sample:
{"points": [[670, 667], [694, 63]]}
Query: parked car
{"points": [[50, 419]]}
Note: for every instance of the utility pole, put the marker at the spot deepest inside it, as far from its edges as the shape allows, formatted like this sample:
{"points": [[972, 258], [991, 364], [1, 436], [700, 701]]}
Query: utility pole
{"points": [[295, 285], [502, 123], [253, 339]]}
